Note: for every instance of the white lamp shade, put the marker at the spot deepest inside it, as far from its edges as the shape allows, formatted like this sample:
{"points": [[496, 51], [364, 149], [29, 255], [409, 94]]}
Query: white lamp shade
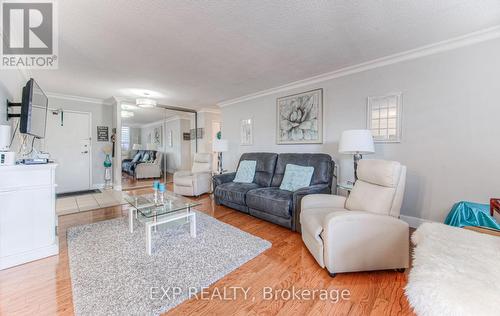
{"points": [[136, 147], [356, 141], [151, 147], [220, 145]]}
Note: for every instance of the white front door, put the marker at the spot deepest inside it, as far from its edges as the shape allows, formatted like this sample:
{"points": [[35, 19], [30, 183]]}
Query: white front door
{"points": [[68, 141]]}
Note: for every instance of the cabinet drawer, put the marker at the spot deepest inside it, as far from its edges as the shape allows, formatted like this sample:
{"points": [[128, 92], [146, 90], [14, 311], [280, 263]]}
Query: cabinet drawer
{"points": [[16, 179]]}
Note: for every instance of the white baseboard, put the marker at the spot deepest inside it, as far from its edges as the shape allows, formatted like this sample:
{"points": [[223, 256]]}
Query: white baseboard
{"points": [[32, 255], [101, 186], [414, 222]]}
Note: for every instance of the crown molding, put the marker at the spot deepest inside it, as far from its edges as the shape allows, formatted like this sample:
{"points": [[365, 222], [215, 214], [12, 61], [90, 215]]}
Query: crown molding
{"points": [[450, 44], [210, 110], [77, 98]]}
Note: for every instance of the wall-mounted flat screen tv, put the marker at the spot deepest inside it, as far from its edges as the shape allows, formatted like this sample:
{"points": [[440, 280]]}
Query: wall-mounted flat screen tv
{"points": [[33, 110]]}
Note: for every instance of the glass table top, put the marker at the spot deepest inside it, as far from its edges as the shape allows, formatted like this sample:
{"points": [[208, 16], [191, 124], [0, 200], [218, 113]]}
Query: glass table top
{"points": [[146, 206]]}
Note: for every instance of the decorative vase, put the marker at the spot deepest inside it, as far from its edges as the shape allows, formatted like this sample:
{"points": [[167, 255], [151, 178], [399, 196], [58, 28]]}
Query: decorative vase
{"points": [[107, 172], [107, 162]]}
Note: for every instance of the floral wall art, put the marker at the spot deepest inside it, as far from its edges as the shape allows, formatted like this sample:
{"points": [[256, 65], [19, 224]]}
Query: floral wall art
{"points": [[300, 118]]}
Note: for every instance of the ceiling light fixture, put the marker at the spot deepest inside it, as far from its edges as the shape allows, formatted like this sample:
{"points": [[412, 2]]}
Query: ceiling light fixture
{"points": [[128, 106], [145, 103], [127, 114]]}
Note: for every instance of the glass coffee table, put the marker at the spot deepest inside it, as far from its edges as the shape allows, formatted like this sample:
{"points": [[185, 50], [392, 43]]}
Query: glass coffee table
{"points": [[174, 208]]}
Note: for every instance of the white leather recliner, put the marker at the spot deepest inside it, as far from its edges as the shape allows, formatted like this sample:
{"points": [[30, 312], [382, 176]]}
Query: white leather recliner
{"points": [[362, 232], [198, 180]]}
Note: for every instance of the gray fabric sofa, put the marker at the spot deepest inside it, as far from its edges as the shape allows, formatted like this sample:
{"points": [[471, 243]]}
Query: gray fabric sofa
{"points": [[263, 198]]}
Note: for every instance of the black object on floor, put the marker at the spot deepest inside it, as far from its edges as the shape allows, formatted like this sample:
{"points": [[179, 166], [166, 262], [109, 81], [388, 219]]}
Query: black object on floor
{"points": [[60, 195]]}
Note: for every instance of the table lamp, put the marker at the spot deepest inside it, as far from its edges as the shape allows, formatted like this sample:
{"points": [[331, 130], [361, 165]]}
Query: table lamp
{"points": [[136, 147], [356, 142], [152, 147], [219, 146]]}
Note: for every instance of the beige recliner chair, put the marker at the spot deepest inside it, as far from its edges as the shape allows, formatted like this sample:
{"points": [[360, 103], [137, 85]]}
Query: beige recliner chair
{"points": [[198, 180], [361, 232]]}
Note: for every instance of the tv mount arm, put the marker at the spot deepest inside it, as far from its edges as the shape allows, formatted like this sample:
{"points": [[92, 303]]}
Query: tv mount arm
{"points": [[11, 105]]}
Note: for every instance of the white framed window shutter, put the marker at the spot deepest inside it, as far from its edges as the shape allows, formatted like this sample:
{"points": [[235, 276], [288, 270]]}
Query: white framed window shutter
{"points": [[384, 117], [125, 141]]}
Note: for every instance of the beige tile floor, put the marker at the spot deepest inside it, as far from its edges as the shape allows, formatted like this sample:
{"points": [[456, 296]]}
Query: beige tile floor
{"points": [[87, 202]]}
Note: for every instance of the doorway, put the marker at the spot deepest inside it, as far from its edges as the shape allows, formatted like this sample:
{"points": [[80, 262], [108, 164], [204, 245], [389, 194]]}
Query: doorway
{"points": [[69, 142]]}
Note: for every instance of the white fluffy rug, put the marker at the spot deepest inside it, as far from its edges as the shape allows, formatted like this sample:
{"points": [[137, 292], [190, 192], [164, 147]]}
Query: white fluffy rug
{"points": [[455, 272]]}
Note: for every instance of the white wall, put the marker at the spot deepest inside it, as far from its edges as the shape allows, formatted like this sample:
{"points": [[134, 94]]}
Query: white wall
{"points": [[11, 85], [4, 95], [186, 156], [451, 127], [205, 120]]}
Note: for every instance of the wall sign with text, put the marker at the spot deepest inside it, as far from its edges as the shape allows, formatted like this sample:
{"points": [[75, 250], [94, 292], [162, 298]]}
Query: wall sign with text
{"points": [[102, 134]]}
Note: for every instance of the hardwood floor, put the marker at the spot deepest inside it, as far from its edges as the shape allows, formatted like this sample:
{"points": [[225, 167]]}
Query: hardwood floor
{"points": [[43, 287], [129, 183]]}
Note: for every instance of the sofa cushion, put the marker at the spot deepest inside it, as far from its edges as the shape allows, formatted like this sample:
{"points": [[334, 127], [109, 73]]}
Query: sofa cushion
{"points": [[380, 172], [264, 168], [145, 157], [296, 177], [234, 192], [246, 171], [137, 157], [370, 198], [322, 163], [271, 200]]}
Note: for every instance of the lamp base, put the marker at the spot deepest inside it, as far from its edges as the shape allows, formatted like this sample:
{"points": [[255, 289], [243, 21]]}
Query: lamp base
{"points": [[357, 158], [219, 163]]}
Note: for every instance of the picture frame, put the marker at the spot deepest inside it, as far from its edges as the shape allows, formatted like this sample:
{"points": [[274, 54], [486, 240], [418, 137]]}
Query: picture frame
{"points": [[246, 138], [157, 136], [384, 117], [299, 118]]}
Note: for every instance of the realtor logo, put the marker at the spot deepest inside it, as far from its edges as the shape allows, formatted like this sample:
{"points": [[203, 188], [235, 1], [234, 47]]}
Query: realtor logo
{"points": [[29, 35]]}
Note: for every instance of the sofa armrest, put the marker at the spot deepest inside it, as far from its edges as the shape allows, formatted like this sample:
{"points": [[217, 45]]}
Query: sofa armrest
{"points": [[363, 241], [223, 178], [297, 198], [323, 201], [202, 182]]}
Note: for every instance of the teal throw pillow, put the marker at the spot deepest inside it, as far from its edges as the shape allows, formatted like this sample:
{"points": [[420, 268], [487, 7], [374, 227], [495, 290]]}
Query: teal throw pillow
{"points": [[246, 171], [296, 177]]}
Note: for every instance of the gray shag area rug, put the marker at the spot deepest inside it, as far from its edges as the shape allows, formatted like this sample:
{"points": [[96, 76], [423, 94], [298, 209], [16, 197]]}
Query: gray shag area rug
{"points": [[111, 273]]}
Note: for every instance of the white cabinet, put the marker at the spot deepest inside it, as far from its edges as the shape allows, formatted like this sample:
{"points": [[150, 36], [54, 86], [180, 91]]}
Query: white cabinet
{"points": [[27, 214]]}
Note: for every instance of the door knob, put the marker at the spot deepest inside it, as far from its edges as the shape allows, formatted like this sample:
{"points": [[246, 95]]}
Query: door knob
{"points": [[85, 152]]}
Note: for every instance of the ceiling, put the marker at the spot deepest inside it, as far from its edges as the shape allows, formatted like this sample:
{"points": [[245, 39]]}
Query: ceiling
{"points": [[198, 53]]}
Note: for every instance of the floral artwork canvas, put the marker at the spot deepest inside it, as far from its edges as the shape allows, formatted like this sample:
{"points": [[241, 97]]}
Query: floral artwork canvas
{"points": [[156, 136], [300, 118]]}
